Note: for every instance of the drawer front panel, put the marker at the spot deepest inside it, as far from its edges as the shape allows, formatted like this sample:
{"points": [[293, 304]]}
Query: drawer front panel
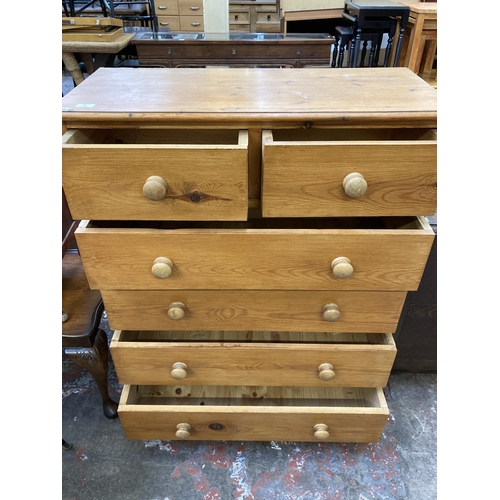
{"points": [[369, 312], [203, 181], [167, 8], [201, 259], [252, 423], [171, 22], [191, 7], [230, 362], [309, 177], [192, 23]]}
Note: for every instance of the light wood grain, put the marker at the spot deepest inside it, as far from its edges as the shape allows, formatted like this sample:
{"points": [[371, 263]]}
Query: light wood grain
{"points": [[243, 97], [280, 259], [231, 362], [104, 176], [354, 415], [306, 176], [370, 312]]}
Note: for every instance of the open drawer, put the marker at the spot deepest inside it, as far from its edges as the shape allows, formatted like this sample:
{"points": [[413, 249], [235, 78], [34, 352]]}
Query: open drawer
{"points": [[156, 174], [257, 358], [364, 253], [253, 413], [349, 172]]}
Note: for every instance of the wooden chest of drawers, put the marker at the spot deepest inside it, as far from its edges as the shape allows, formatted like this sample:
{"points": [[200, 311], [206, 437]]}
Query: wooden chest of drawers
{"points": [[180, 15], [256, 16], [253, 233]]}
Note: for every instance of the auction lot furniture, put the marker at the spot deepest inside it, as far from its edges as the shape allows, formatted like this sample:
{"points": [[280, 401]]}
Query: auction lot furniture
{"points": [[254, 233], [308, 10], [232, 49], [420, 41], [254, 16]]}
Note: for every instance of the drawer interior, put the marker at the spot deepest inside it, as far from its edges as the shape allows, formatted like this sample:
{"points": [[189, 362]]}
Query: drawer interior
{"points": [[156, 136], [240, 337], [256, 222], [351, 135], [201, 395]]}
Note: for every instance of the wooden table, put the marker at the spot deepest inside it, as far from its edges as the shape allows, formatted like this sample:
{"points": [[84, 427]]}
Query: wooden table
{"points": [[420, 40], [175, 50], [69, 49]]}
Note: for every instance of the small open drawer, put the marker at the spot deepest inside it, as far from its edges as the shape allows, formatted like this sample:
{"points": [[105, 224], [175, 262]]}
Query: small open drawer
{"points": [[156, 174], [349, 172], [253, 413], [257, 358]]}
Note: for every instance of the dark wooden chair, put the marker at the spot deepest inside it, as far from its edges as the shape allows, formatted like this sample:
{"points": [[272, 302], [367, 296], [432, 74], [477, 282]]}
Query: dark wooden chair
{"points": [[83, 341]]}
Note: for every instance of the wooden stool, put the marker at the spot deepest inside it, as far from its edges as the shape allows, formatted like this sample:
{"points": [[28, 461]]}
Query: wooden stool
{"points": [[343, 36], [82, 339]]}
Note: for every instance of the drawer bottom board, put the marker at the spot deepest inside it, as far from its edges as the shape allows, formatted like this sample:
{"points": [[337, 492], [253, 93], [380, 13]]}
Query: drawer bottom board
{"points": [[258, 413]]}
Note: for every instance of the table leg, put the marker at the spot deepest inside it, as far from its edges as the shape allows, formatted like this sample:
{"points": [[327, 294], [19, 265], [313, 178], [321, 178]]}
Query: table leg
{"points": [[73, 67]]}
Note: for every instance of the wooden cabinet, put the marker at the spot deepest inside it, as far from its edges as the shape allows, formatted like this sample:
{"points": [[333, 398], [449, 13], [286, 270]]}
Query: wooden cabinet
{"points": [[180, 15], [257, 16], [254, 234]]}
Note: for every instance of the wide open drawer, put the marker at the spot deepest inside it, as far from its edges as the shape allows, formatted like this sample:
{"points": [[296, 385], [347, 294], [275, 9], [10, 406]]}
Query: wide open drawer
{"points": [[260, 254], [257, 358], [351, 172], [307, 311], [253, 413], [143, 174]]}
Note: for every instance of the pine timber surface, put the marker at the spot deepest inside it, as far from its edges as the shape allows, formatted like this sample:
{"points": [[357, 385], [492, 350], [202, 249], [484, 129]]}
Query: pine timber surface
{"points": [[242, 97]]}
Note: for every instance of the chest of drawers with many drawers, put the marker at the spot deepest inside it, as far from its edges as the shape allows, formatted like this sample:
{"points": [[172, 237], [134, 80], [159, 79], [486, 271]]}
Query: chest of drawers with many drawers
{"points": [[253, 233]]}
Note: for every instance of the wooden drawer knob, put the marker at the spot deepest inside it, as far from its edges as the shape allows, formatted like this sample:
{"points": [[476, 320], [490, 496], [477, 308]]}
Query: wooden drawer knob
{"points": [[326, 371], [155, 188], [342, 267], [321, 432], [331, 312], [162, 267], [354, 185], [183, 431], [64, 317], [176, 310], [179, 370]]}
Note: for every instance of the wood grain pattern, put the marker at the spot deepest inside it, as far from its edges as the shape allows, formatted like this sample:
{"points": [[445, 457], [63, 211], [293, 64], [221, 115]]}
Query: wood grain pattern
{"points": [[257, 259], [306, 177], [205, 181], [243, 97], [229, 362], [352, 415], [370, 312]]}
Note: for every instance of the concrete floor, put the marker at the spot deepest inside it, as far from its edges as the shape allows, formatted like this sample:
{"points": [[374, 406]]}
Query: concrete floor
{"points": [[104, 465]]}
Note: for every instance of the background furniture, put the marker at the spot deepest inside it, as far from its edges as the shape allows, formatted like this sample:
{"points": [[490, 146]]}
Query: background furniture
{"points": [[419, 47], [84, 342], [180, 15], [179, 50], [312, 15], [255, 16], [238, 281]]}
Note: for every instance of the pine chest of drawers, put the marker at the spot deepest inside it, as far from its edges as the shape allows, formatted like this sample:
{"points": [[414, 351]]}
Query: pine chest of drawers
{"points": [[253, 233]]}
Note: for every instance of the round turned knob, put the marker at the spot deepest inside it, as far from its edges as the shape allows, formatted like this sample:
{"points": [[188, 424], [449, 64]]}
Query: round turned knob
{"points": [[326, 371], [342, 267], [321, 432], [176, 310], [162, 267], [331, 312], [155, 188], [182, 431], [179, 371], [64, 317], [354, 185]]}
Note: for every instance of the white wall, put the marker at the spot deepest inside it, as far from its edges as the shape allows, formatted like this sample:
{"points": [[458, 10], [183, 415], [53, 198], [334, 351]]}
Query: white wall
{"points": [[216, 16]]}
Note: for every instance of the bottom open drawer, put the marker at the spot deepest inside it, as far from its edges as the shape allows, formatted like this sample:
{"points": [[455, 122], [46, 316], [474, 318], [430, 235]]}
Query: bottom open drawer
{"points": [[222, 413]]}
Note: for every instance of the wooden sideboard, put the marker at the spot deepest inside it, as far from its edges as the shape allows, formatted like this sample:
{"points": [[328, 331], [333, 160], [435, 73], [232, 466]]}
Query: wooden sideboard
{"points": [[253, 16], [254, 234], [177, 50]]}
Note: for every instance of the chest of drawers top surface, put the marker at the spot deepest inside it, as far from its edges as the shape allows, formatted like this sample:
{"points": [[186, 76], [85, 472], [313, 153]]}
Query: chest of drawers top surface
{"points": [[251, 96]]}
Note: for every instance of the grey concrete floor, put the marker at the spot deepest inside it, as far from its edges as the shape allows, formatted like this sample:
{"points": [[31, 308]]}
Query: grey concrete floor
{"points": [[104, 465]]}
